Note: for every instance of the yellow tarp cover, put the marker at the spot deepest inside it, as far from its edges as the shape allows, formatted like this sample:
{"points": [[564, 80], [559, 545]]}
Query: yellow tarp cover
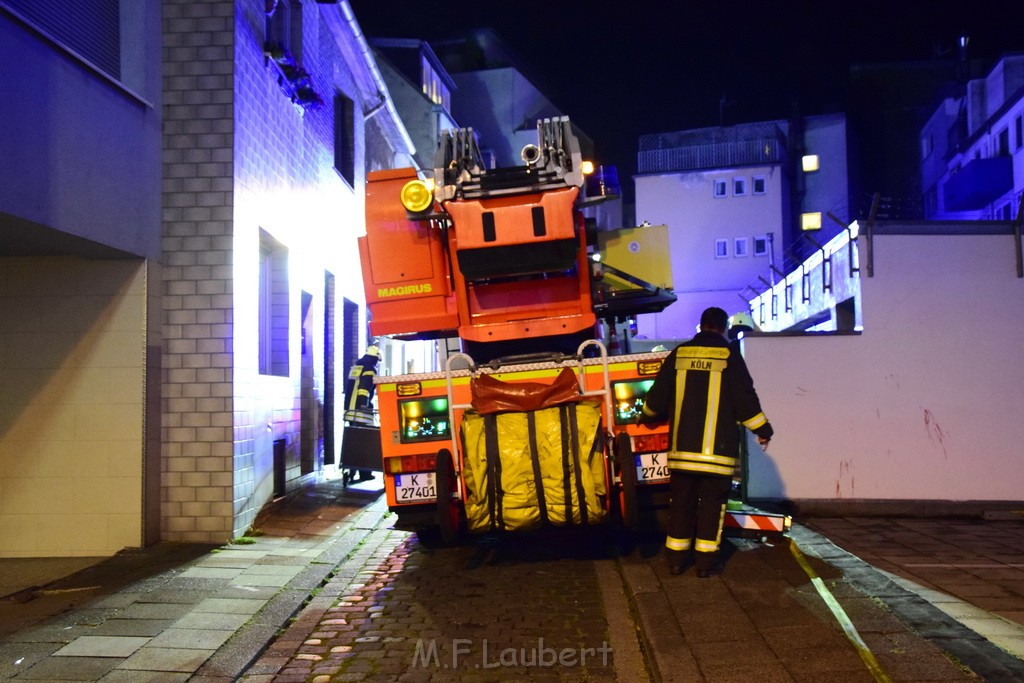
{"points": [[504, 459]]}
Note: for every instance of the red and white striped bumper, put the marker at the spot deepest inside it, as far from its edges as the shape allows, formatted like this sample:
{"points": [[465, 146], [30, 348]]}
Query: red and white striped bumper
{"points": [[756, 522]]}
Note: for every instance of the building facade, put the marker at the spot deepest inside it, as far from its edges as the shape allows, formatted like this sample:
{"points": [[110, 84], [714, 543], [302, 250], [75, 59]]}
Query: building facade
{"points": [[972, 148], [498, 97], [422, 92], [273, 114], [80, 120], [741, 203]]}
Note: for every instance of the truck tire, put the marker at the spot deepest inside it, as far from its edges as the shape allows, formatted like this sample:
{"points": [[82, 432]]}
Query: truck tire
{"points": [[449, 511]]}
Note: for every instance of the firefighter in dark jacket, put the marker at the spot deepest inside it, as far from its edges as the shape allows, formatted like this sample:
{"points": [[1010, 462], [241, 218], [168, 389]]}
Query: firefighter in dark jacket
{"points": [[359, 390], [703, 389], [359, 387]]}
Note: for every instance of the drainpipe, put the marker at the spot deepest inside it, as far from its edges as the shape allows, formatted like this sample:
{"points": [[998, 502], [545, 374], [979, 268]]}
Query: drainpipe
{"points": [[378, 80]]}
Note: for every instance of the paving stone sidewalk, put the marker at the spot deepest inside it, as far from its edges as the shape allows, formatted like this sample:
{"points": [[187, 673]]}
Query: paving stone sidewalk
{"points": [[201, 616]]}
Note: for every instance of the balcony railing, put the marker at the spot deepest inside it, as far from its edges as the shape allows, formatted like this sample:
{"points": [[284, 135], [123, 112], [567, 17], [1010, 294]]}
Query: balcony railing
{"points": [[713, 155]]}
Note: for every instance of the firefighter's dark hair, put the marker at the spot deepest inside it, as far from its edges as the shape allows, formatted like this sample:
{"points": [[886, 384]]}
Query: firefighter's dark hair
{"points": [[714, 318]]}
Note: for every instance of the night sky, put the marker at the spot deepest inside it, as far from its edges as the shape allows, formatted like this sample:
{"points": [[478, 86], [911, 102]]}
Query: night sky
{"points": [[668, 65]]}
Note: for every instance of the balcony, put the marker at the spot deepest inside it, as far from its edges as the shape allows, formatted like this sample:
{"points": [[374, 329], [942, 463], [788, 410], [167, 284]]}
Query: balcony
{"points": [[978, 184]]}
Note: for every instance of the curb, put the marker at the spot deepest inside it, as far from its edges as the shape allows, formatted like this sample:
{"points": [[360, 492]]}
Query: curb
{"points": [[244, 648], [958, 641]]}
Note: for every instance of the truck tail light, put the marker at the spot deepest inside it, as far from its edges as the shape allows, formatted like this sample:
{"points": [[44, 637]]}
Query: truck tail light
{"points": [[650, 443], [403, 464]]}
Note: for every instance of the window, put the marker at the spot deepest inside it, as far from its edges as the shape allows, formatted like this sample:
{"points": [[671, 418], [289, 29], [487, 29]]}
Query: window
{"points": [[739, 247], [433, 87], [90, 28], [489, 158], [761, 245], [344, 138], [759, 184], [273, 307], [719, 188], [721, 248], [284, 27], [1003, 146], [1004, 213], [927, 145], [810, 221], [1018, 128], [931, 202], [739, 186], [810, 163]]}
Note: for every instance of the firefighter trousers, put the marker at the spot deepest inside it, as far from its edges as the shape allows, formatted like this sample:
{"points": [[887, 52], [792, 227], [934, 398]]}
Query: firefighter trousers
{"points": [[696, 511]]}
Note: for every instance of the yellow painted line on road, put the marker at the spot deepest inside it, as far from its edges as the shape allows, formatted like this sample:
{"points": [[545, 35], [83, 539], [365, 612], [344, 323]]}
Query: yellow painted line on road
{"points": [[840, 614]]}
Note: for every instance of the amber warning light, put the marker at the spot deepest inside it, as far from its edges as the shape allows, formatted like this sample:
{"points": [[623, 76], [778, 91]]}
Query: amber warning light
{"points": [[405, 390], [648, 367], [418, 195]]}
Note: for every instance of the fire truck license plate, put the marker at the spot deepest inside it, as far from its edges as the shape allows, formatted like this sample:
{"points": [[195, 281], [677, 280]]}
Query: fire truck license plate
{"points": [[415, 488], [651, 468]]}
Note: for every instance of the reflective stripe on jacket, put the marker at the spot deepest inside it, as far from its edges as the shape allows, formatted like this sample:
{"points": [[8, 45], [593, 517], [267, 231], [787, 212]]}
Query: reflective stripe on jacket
{"points": [[359, 385]]}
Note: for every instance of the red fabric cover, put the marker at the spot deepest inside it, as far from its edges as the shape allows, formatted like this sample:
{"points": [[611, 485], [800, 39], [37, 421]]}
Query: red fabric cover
{"points": [[492, 395]]}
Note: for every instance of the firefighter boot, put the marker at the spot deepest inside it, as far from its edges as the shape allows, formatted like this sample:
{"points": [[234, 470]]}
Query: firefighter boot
{"points": [[708, 565], [677, 561]]}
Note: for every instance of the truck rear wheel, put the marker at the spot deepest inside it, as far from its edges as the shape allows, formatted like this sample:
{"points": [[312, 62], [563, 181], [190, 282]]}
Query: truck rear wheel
{"points": [[449, 511]]}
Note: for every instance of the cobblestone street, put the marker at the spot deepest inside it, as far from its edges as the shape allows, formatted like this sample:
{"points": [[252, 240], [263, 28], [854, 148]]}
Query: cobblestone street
{"points": [[480, 612]]}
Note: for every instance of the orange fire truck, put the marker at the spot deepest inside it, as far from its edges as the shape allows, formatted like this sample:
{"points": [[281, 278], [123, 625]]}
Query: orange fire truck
{"points": [[532, 422]]}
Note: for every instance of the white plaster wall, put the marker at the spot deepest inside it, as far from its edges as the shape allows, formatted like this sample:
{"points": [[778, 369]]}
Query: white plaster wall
{"points": [[72, 368], [925, 404], [239, 158]]}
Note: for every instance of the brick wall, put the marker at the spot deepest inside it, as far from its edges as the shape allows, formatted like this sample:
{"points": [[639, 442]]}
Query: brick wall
{"points": [[241, 160]]}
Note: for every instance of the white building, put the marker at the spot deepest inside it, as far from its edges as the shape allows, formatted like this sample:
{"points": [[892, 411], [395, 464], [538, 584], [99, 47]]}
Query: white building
{"points": [[737, 201], [972, 163]]}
